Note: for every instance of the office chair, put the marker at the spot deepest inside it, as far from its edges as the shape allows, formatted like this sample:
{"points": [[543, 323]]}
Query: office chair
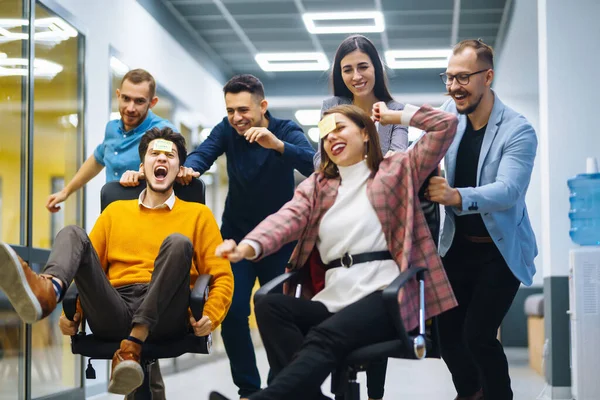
{"points": [[89, 345]]}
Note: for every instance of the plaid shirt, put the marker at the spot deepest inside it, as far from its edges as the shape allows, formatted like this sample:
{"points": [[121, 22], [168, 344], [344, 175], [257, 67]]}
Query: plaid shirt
{"points": [[393, 192]]}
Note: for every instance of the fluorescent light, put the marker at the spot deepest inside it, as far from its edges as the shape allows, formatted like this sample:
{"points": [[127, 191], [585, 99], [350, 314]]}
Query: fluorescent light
{"points": [[54, 30], [417, 59], [73, 120], [308, 117], [118, 66], [292, 61], [19, 66], [378, 24], [69, 120], [433, 53], [314, 134]]}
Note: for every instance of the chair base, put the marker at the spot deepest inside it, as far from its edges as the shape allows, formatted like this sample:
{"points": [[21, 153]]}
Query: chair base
{"points": [[144, 392]]}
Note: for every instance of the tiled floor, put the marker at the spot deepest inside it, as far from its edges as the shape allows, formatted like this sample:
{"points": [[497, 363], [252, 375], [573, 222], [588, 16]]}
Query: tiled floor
{"points": [[423, 380]]}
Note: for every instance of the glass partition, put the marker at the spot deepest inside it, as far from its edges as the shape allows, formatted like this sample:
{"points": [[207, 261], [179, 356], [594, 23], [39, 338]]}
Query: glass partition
{"points": [[57, 155], [14, 34]]}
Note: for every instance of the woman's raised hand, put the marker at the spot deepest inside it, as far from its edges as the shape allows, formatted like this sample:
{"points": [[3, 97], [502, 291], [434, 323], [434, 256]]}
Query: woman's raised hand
{"points": [[385, 116]]}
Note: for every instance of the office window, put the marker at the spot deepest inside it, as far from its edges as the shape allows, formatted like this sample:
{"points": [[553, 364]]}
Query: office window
{"points": [[57, 155], [58, 125]]}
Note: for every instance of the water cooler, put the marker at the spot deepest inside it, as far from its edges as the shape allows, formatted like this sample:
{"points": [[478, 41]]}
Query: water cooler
{"points": [[584, 283]]}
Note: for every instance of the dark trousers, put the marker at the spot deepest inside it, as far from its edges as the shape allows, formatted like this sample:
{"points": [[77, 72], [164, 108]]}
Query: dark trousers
{"points": [[485, 288], [235, 329], [316, 340], [283, 329], [111, 312]]}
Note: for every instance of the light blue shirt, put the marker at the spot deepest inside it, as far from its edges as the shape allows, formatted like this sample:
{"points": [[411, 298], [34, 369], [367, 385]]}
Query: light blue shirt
{"points": [[119, 150]]}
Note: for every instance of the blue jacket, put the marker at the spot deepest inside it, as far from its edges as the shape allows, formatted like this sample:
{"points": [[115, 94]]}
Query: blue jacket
{"points": [[260, 180], [503, 174], [119, 152]]}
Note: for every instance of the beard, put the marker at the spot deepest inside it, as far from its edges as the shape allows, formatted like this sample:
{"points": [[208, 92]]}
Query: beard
{"points": [[470, 108], [141, 117], [161, 191]]}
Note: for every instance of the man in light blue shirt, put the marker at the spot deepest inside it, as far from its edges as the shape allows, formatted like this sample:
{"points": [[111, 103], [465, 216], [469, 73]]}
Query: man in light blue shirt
{"points": [[118, 152]]}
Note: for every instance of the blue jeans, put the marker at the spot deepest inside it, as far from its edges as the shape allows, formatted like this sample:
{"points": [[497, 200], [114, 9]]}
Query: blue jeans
{"points": [[235, 329]]}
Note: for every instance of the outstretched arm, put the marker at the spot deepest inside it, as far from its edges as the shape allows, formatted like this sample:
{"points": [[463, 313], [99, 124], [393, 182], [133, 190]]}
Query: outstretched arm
{"points": [[278, 229], [90, 168]]}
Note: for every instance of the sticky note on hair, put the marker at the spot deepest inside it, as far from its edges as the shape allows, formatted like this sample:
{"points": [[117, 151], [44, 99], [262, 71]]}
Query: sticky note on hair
{"points": [[326, 125], [162, 145]]}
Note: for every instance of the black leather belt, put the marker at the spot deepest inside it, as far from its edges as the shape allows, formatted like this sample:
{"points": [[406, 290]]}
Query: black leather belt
{"points": [[349, 260]]}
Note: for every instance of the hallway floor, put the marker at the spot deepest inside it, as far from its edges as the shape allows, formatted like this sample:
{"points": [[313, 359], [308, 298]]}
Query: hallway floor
{"points": [[423, 380]]}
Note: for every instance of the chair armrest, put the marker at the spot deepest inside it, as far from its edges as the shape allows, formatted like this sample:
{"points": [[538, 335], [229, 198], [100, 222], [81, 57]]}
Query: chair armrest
{"points": [[390, 293], [199, 295], [390, 299], [273, 284], [70, 302]]}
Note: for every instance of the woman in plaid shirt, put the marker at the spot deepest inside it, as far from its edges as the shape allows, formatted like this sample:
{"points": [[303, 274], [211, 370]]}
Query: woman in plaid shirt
{"points": [[362, 213]]}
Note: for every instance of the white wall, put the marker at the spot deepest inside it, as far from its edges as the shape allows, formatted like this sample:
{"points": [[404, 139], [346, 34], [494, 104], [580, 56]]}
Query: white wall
{"points": [[516, 83], [142, 43], [569, 38]]}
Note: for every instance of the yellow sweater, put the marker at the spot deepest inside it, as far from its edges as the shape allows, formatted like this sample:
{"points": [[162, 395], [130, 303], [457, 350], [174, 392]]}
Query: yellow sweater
{"points": [[127, 238]]}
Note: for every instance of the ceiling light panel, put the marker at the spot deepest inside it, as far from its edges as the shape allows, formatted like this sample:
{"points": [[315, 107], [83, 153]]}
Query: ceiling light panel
{"points": [[417, 59], [344, 22], [292, 61]]}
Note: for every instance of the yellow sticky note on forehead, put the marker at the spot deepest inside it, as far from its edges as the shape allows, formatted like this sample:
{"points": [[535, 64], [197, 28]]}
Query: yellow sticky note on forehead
{"points": [[162, 145], [326, 125]]}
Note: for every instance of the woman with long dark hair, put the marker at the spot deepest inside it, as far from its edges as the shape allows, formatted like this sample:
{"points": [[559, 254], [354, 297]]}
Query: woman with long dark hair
{"points": [[358, 77]]}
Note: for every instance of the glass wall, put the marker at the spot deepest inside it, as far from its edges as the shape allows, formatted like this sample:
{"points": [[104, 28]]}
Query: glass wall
{"points": [[13, 91], [41, 147], [57, 154]]}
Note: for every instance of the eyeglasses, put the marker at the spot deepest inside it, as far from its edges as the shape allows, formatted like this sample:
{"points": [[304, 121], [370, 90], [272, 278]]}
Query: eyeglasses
{"points": [[462, 79]]}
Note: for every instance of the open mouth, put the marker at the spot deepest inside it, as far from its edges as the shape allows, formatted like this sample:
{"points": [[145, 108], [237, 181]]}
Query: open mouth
{"points": [[459, 96], [337, 148], [242, 126], [160, 173], [359, 86]]}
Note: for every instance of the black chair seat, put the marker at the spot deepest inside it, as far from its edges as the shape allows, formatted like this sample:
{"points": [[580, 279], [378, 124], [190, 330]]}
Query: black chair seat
{"points": [[377, 351], [96, 348]]}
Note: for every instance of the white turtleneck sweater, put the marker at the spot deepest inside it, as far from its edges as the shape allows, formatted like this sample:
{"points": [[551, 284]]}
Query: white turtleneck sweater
{"points": [[351, 225]]}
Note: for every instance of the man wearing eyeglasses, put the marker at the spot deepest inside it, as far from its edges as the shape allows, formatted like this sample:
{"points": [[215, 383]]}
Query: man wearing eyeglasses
{"points": [[487, 243]]}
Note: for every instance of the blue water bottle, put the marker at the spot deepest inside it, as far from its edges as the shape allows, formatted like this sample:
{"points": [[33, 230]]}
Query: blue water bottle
{"points": [[585, 206]]}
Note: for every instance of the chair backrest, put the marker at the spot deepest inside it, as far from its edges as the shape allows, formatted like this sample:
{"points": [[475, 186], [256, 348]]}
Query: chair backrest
{"points": [[112, 191]]}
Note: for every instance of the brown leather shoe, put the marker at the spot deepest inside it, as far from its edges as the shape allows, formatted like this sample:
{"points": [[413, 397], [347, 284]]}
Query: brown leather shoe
{"points": [[476, 396], [127, 373], [32, 295]]}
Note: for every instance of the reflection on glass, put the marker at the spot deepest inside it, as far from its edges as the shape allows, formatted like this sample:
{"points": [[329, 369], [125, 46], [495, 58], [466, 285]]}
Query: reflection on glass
{"points": [[54, 368], [13, 47], [57, 152], [13, 86], [57, 123]]}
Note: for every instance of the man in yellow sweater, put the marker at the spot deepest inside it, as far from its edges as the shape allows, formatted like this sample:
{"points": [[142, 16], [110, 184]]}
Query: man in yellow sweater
{"points": [[134, 270]]}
